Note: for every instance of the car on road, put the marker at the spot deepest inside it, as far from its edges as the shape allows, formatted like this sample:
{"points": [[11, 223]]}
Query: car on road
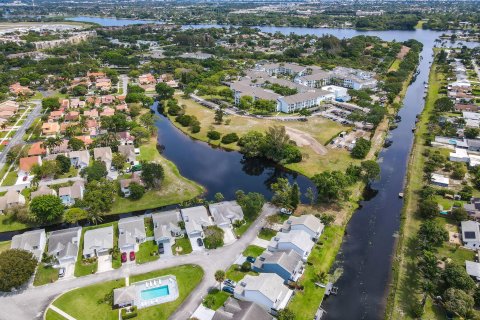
{"points": [[61, 272], [132, 256], [229, 283], [251, 259], [200, 242], [161, 248], [228, 289], [124, 257]]}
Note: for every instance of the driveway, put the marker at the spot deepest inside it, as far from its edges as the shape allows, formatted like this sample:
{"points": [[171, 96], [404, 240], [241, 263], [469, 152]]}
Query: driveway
{"points": [[194, 243], [104, 263], [69, 272], [31, 303], [228, 235]]}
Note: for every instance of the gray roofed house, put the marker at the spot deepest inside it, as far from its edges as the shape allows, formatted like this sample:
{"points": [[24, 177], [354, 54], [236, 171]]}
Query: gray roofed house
{"points": [[473, 144], [195, 219], [128, 151], [103, 154], [471, 234], [63, 245], [79, 159], [165, 227], [32, 241], [68, 195], [287, 264], [97, 242], [131, 232], [43, 191], [125, 183], [266, 289], [123, 297], [298, 240], [473, 269], [11, 199], [308, 223], [225, 213], [234, 309]]}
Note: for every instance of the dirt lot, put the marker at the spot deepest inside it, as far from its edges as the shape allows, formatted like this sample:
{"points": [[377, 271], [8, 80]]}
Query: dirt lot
{"points": [[304, 139]]}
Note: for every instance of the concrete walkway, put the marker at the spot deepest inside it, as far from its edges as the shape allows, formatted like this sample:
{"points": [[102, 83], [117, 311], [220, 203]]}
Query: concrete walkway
{"points": [[30, 303], [60, 312]]}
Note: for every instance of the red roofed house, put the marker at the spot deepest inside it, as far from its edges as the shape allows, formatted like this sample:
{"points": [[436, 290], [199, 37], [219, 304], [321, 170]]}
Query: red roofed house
{"points": [[17, 89], [91, 114], [86, 139], [108, 99], [36, 149], [26, 165], [107, 112], [146, 79]]}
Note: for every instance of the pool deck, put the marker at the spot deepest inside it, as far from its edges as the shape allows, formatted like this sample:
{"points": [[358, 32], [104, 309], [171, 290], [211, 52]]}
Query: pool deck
{"points": [[170, 281]]}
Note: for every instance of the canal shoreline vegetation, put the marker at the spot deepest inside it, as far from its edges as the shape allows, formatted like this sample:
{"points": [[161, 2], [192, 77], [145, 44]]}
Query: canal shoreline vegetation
{"points": [[82, 303]]}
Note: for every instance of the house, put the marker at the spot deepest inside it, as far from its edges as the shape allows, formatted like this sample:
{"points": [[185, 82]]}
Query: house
{"points": [[37, 149], [97, 242], [308, 223], [103, 154], [473, 208], [68, 195], [460, 155], [87, 140], [125, 138], [473, 269], [55, 115], [42, 191], [125, 183], [287, 264], [61, 148], [108, 99], [26, 164], [314, 80], [195, 219], [91, 114], [226, 213], [266, 290], [131, 232], [32, 241], [50, 129], [147, 78], [473, 144], [298, 240], [79, 159], [440, 180], [17, 89], [471, 234], [107, 112], [63, 245], [124, 297], [72, 116], [166, 228], [11, 199], [234, 309], [352, 78], [128, 151]]}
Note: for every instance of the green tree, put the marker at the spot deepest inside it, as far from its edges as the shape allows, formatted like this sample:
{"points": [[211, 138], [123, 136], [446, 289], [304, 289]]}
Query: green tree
{"points": [[50, 103], [279, 148], [471, 133], [361, 148], [46, 208], [443, 104], [119, 160], [251, 203], [213, 135], [136, 191], [79, 90], [432, 234], [73, 215], [15, 153], [63, 163], [213, 237], [164, 91], [96, 171], [140, 133], [251, 144], [282, 193], [220, 277], [152, 174], [229, 138], [371, 169], [76, 144], [455, 276], [428, 209], [295, 196], [331, 185], [219, 197], [310, 195], [459, 214], [286, 314], [98, 198], [218, 116], [458, 302], [245, 103], [16, 268]]}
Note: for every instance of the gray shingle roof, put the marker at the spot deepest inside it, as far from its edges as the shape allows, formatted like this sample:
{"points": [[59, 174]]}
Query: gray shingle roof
{"points": [[234, 309], [64, 243]]}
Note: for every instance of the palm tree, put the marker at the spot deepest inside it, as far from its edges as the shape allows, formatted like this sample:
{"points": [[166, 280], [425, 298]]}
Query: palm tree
{"points": [[220, 277], [4, 125], [51, 143]]}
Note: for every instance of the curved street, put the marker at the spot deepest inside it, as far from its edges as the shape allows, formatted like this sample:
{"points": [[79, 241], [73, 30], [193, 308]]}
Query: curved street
{"points": [[32, 302]]}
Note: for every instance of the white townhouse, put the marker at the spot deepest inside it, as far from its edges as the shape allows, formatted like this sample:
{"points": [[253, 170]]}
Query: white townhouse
{"points": [[297, 240]]}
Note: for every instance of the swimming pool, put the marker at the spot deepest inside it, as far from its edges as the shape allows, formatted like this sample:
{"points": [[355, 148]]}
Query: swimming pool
{"points": [[154, 293]]}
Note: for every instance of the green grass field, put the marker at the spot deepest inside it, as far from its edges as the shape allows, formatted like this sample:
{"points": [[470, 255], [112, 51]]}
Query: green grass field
{"points": [[45, 275], [146, 252], [183, 244], [253, 251]]}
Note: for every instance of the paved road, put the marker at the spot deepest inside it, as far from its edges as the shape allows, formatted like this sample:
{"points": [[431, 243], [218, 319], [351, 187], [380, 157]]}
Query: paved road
{"points": [[20, 187], [124, 81], [18, 137], [477, 69], [32, 302]]}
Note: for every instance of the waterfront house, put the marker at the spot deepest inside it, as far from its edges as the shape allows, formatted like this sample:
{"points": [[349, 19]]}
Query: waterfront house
{"points": [[287, 264], [97, 242], [32, 241], [471, 234], [131, 232], [297, 240], [166, 228], [308, 223], [226, 213], [195, 219], [63, 245]]}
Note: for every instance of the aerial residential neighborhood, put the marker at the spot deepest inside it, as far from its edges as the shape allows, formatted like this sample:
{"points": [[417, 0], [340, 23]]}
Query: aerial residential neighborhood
{"points": [[248, 160]]}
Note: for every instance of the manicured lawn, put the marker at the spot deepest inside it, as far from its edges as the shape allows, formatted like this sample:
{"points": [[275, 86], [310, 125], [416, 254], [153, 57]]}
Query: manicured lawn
{"points": [[215, 299], [71, 173], [44, 275], [267, 233], [253, 251], [305, 303], [10, 179], [234, 273], [8, 223], [52, 315], [5, 245], [149, 225], [184, 244], [243, 228], [395, 65], [174, 189], [147, 251], [86, 303]]}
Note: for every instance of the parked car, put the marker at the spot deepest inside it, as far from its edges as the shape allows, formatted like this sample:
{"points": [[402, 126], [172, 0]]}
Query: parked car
{"points": [[251, 259], [200, 242], [124, 257], [132, 256], [161, 249], [229, 283], [228, 289], [61, 272]]}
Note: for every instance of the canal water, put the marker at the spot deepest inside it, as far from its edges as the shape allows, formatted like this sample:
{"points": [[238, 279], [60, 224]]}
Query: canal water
{"points": [[367, 249]]}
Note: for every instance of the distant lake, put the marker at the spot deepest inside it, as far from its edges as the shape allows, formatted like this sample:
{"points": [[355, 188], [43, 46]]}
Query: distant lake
{"points": [[111, 21]]}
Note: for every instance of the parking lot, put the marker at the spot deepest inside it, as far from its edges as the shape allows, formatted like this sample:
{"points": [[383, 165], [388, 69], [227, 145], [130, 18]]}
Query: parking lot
{"points": [[347, 139]]}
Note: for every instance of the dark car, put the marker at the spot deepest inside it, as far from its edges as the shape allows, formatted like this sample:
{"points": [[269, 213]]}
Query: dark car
{"points": [[200, 242], [124, 257], [228, 289], [161, 249], [251, 259], [229, 283], [132, 256]]}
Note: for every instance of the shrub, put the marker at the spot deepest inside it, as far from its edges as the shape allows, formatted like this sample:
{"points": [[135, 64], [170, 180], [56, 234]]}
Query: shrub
{"points": [[129, 313], [16, 267], [213, 237], [246, 266], [213, 135], [230, 138], [195, 128]]}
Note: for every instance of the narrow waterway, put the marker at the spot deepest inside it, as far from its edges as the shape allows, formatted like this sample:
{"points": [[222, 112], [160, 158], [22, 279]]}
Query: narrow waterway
{"points": [[368, 246]]}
